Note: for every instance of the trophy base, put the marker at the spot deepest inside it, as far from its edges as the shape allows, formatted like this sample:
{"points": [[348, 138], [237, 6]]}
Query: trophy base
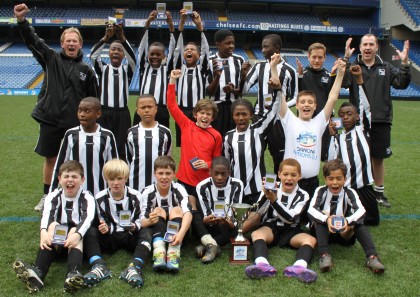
{"points": [[239, 252]]}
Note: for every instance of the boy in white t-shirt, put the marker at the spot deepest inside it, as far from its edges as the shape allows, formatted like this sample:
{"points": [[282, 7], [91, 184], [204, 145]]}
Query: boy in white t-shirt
{"points": [[304, 133]]}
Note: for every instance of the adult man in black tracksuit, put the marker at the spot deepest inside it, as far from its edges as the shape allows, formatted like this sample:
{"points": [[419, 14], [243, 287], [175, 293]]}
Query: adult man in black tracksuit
{"points": [[317, 79], [376, 109], [67, 80]]}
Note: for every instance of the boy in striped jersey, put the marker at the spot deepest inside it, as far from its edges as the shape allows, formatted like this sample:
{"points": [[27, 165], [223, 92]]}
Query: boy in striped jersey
{"points": [[113, 232], [225, 79], [352, 146], [245, 145], [145, 142], [162, 202], [193, 62], [215, 229], [280, 210], [70, 206], [336, 200], [261, 73], [90, 144], [115, 80], [153, 72]]}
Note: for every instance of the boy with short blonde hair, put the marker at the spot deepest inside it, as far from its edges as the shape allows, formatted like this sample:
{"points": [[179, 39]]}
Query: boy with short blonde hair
{"points": [[119, 209]]}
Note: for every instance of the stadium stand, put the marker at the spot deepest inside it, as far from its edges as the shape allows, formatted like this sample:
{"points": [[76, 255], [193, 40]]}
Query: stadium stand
{"points": [[258, 17], [413, 9], [269, 12]]}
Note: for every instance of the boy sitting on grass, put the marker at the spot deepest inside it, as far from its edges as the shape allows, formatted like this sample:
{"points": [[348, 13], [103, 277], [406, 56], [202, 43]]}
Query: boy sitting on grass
{"points": [[70, 206], [332, 201], [281, 210], [217, 191], [119, 209], [165, 201]]}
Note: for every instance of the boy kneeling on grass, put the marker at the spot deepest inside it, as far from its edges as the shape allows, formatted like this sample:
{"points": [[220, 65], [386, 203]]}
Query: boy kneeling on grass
{"points": [[69, 208], [119, 227], [162, 202], [333, 201]]}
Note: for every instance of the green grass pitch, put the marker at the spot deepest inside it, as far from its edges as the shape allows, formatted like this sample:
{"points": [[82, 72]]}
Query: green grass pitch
{"points": [[397, 238]]}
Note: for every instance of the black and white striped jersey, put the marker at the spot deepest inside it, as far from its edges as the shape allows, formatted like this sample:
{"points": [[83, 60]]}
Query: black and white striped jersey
{"points": [[151, 198], [92, 150], [114, 81], [245, 151], [109, 208], [286, 210], [143, 146], [74, 212], [353, 148], [154, 81], [208, 193], [261, 73], [346, 204], [231, 74], [191, 86]]}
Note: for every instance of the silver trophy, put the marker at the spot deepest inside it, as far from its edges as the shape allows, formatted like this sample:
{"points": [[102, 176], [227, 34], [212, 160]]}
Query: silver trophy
{"points": [[241, 212]]}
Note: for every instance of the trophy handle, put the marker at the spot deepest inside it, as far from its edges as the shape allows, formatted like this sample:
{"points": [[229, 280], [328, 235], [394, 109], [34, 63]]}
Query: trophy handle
{"points": [[228, 208]]}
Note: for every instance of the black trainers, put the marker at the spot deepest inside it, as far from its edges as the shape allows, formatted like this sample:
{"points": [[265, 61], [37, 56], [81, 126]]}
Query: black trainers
{"points": [[98, 273], [30, 275], [325, 262], [212, 251], [375, 264], [200, 250], [74, 281], [132, 275], [382, 200]]}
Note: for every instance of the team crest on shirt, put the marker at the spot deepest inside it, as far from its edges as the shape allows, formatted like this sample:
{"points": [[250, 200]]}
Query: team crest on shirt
{"points": [[381, 72], [307, 139], [324, 80], [82, 76]]}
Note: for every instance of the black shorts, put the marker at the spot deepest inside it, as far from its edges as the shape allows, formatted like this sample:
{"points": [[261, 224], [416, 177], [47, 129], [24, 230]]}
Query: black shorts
{"points": [[223, 121], [118, 120], [49, 140], [110, 243], [282, 235], [368, 198], [380, 140]]}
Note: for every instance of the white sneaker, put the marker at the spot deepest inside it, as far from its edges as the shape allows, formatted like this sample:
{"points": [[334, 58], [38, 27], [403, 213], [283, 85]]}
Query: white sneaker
{"points": [[40, 206]]}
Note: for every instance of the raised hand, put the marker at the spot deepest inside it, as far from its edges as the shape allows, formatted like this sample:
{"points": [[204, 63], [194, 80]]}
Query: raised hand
{"points": [[348, 51], [20, 12], [299, 66], [404, 53]]}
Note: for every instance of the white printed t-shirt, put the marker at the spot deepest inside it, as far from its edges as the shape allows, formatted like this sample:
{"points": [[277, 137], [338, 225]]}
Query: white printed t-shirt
{"points": [[304, 140]]}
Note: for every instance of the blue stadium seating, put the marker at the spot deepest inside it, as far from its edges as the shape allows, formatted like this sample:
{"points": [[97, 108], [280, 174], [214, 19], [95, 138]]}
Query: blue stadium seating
{"points": [[413, 9], [258, 17]]}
